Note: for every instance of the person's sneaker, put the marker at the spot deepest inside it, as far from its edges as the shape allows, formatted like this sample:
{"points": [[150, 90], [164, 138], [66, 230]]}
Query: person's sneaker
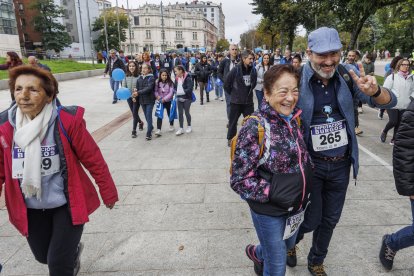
{"points": [[386, 254], [171, 128], [141, 126], [383, 137], [392, 142], [317, 270], [291, 259], [379, 115], [188, 130], [148, 138], [134, 134], [158, 133], [77, 260], [114, 101], [179, 132], [216, 98], [221, 99], [201, 103], [251, 254], [358, 131], [360, 110]]}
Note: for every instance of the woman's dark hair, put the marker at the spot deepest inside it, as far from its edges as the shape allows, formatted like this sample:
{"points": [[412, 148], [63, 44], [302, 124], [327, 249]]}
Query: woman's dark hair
{"points": [[169, 81], [275, 72], [14, 59], [394, 62], [47, 80], [136, 71], [263, 60], [203, 56], [298, 57], [180, 67]]}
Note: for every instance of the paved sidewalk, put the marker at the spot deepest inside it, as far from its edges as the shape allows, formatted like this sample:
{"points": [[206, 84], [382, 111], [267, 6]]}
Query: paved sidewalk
{"points": [[178, 216]]}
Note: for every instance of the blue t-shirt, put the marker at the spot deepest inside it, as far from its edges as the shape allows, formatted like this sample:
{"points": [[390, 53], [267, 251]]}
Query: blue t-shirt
{"points": [[326, 110]]}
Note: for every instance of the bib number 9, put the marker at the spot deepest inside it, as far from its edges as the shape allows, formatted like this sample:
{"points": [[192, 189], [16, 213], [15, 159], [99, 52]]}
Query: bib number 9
{"points": [[330, 138]]}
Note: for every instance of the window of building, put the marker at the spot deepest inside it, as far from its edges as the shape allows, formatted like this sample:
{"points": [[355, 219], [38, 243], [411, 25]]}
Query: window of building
{"points": [[136, 20], [178, 23], [205, 10], [146, 10], [26, 37], [205, 15], [163, 48], [212, 9], [212, 15], [151, 48], [148, 34], [147, 21], [194, 35], [69, 27], [23, 22], [21, 7], [162, 21], [179, 34], [195, 24]]}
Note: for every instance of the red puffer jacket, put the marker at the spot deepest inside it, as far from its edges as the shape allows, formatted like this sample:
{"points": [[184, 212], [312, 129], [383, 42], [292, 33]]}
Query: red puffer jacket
{"points": [[80, 193]]}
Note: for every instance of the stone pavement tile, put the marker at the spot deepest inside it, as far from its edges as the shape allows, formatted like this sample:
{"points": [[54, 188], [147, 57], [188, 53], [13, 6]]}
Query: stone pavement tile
{"points": [[221, 193], [375, 212], [136, 177], [126, 218], [206, 216], [374, 173], [123, 192], [8, 230], [153, 250], [234, 271], [9, 247], [122, 273], [356, 270], [375, 189], [167, 193], [196, 176]]}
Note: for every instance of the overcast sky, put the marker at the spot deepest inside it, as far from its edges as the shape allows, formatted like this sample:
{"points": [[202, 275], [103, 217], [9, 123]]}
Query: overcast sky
{"points": [[238, 13]]}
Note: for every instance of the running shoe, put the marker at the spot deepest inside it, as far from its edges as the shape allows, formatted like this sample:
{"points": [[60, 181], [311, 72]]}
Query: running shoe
{"points": [[383, 137], [386, 254], [188, 130], [179, 132], [158, 133], [257, 264], [141, 126]]}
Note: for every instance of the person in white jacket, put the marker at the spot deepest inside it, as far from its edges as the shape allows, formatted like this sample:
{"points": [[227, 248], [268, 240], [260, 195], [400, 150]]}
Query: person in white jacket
{"points": [[261, 69], [401, 83]]}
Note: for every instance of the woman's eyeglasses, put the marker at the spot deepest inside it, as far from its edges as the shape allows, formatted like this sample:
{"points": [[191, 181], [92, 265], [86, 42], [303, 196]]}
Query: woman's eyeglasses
{"points": [[327, 110]]}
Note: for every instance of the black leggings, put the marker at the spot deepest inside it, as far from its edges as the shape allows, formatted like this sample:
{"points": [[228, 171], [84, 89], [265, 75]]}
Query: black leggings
{"points": [[134, 107], [167, 106], [394, 116], [53, 239], [194, 77]]}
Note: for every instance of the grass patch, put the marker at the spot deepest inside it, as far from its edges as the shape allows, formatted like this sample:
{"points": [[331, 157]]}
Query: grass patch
{"points": [[380, 79], [58, 66]]}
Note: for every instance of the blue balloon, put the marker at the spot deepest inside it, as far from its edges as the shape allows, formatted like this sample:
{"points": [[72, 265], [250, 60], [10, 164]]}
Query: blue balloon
{"points": [[387, 67], [123, 93], [118, 74], [193, 60]]}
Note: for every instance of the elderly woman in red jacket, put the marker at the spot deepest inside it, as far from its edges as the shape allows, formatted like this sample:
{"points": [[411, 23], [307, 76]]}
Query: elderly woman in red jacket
{"points": [[43, 146]]}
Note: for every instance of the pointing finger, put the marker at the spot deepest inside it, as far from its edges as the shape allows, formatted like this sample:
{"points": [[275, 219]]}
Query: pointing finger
{"points": [[361, 70], [353, 75]]}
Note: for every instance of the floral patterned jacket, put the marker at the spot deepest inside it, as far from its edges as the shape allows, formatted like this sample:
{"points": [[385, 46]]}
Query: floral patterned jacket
{"points": [[286, 154]]}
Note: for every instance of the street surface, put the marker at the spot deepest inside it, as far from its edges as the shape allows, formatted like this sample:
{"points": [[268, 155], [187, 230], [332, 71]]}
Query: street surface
{"points": [[178, 216]]}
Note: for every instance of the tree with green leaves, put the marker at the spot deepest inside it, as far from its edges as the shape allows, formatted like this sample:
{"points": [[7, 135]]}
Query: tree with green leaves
{"points": [[54, 34], [111, 28], [222, 45]]}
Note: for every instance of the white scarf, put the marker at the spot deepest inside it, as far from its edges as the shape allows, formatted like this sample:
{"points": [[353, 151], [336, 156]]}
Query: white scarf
{"points": [[28, 136]]}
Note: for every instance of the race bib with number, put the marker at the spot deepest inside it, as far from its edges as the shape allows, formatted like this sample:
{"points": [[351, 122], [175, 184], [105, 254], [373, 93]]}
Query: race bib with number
{"points": [[329, 136], [50, 161], [293, 223], [166, 65]]}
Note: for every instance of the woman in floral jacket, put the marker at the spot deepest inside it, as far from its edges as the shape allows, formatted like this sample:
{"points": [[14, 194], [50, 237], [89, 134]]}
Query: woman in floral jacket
{"points": [[275, 183]]}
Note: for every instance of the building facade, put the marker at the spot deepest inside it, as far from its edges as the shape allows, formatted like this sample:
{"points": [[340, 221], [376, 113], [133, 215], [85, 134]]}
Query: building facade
{"points": [[103, 5], [158, 29], [212, 12], [9, 38]]}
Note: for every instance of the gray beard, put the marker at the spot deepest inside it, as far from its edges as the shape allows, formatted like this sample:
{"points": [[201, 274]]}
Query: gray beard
{"points": [[319, 71]]}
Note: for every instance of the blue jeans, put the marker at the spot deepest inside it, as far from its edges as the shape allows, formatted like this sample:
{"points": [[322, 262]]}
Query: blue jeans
{"points": [[329, 185], [218, 89], [227, 104], [404, 237], [272, 248], [114, 86], [259, 95], [147, 109]]}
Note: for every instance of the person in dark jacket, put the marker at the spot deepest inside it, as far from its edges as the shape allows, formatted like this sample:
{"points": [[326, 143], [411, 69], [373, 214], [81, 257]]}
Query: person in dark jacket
{"points": [[183, 86], [44, 151], [240, 84], [403, 168], [113, 63], [203, 71], [276, 183], [226, 65], [146, 97]]}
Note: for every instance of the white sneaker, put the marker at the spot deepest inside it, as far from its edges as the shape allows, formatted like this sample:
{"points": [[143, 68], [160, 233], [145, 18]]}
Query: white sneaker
{"points": [[221, 99], [360, 111], [158, 132], [179, 132], [188, 130], [171, 128]]}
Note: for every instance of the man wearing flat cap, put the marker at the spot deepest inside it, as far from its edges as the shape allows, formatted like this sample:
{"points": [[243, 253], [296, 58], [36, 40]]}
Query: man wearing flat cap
{"points": [[326, 99]]}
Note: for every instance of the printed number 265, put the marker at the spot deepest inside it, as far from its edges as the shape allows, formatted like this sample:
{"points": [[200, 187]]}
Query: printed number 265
{"points": [[330, 138]]}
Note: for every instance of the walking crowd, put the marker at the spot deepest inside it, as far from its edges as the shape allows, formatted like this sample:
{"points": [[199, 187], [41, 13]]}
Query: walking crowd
{"points": [[291, 161]]}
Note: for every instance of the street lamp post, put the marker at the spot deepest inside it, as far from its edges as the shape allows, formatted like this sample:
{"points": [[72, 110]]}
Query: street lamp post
{"points": [[117, 21], [106, 32]]}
